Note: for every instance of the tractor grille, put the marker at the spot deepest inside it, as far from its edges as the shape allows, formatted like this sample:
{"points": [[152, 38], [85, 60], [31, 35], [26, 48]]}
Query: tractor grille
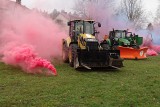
{"points": [[92, 45], [99, 58], [93, 58]]}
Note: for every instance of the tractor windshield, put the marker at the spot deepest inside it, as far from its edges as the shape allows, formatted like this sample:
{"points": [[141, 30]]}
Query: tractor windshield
{"points": [[79, 27], [120, 35], [85, 27], [89, 28]]}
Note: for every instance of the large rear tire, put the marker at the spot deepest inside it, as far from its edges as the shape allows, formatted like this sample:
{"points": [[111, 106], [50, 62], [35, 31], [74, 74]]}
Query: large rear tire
{"points": [[72, 53]]}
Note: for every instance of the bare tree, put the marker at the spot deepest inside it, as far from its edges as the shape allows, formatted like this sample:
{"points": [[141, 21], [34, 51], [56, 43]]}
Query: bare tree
{"points": [[133, 11], [81, 10], [150, 27], [157, 18], [86, 8], [54, 14]]}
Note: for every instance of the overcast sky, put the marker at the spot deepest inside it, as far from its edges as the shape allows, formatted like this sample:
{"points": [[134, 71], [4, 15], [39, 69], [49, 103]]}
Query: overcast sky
{"points": [[67, 5], [49, 5]]}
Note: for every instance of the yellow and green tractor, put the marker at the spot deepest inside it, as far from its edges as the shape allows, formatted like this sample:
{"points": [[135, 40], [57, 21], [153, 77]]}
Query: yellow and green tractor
{"points": [[82, 48]]}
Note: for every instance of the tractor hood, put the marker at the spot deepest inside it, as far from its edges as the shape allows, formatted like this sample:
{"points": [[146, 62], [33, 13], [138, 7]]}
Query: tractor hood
{"points": [[89, 38], [88, 41], [124, 41]]}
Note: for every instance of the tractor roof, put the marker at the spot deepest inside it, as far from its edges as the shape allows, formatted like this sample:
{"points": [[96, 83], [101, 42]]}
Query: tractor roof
{"points": [[78, 20], [120, 30]]}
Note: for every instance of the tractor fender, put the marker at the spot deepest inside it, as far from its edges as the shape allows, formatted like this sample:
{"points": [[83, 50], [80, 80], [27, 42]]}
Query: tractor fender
{"points": [[66, 41], [73, 43]]}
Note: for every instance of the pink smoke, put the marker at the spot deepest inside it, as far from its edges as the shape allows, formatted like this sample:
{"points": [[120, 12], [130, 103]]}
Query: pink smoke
{"points": [[30, 36], [153, 49], [25, 57], [151, 52]]}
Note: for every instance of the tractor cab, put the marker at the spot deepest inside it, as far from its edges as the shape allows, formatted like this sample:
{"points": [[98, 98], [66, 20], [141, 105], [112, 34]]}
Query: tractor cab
{"points": [[120, 34], [117, 37], [77, 27]]}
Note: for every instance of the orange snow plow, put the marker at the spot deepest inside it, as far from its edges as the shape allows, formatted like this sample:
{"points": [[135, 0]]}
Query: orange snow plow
{"points": [[132, 53]]}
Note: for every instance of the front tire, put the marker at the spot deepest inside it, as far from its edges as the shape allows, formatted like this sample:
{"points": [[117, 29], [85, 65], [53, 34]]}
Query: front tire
{"points": [[72, 54]]}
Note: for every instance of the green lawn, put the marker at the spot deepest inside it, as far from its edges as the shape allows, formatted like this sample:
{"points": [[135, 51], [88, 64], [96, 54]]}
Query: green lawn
{"points": [[135, 85]]}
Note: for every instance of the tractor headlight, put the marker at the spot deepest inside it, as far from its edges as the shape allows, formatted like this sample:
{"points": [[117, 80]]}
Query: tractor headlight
{"points": [[91, 40]]}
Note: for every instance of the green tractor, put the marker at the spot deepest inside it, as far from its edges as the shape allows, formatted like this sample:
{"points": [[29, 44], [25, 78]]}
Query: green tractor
{"points": [[128, 44], [82, 49], [125, 38]]}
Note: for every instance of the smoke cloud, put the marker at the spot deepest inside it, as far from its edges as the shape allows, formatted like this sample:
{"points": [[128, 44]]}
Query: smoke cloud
{"points": [[23, 32], [102, 12]]}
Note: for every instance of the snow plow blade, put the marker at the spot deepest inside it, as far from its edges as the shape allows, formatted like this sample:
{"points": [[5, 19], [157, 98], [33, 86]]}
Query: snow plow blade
{"points": [[132, 53]]}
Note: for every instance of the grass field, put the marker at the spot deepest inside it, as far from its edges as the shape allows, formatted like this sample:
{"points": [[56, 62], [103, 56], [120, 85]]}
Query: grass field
{"points": [[135, 85]]}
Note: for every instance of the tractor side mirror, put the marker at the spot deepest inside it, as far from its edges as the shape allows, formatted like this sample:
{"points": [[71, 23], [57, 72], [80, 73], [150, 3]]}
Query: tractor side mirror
{"points": [[99, 25], [69, 23], [95, 32]]}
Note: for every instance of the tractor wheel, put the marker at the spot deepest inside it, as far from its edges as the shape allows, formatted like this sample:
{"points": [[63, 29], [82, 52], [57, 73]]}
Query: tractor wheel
{"points": [[72, 53], [76, 62], [65, 54]]}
